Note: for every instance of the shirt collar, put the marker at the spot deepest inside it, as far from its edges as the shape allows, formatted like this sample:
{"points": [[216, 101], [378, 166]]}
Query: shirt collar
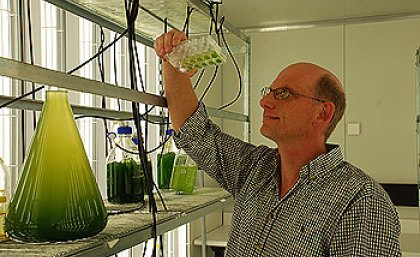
{"points": [[323, 163]]}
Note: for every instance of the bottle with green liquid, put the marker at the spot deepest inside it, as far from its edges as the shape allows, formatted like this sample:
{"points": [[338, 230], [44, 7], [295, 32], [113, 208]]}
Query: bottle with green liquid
{"points": [[125, 176], [184, 174], [166, 161], [57, 198]]}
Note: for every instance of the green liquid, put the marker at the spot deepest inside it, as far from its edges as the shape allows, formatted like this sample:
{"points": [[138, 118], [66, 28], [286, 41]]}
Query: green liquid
{"points": [[183, 179], [165, 166], [125, 181], [57, 198], [49, 228]]}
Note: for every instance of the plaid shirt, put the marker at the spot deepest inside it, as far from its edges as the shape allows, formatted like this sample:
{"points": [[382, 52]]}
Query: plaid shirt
{"points": [[334, 209]]}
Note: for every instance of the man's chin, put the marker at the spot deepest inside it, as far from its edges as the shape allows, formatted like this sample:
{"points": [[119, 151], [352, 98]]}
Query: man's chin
{"points": [[265, 133]]}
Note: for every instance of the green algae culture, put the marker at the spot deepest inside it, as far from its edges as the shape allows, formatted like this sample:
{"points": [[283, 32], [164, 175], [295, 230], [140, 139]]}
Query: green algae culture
{"points": [[125, 182], [166, 161], [125, 174], [57, 198], [196, 53], [183, 179], [184, 174], [165, 166]]}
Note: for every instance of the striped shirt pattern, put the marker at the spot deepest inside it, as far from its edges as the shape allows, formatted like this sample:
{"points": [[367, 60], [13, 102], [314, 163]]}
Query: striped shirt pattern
{"points": [[334, 209]]}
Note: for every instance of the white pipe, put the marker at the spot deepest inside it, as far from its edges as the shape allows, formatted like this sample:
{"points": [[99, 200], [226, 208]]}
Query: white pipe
{"points": [[203, 221]]}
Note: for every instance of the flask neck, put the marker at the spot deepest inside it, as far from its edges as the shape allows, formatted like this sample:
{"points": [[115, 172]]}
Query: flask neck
{"points": [[5, 182], [170, 146], [125, 141], [182, 158]]}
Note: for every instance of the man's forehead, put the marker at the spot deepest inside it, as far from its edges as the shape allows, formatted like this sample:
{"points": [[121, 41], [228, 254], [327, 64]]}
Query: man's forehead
{"points": [[294, 80]]}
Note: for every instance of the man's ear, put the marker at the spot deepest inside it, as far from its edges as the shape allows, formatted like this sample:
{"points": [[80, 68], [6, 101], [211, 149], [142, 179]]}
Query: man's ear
{"points": [[327, 112]]}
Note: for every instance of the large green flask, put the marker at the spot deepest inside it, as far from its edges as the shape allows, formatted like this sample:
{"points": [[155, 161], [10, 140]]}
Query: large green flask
{"points": [[57, 197]]}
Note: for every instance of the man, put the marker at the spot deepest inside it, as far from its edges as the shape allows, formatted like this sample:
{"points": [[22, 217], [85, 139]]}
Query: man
{"points": [[302, 198]]}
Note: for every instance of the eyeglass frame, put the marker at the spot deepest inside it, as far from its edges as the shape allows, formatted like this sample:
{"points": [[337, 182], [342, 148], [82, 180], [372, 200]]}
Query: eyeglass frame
{"points": [[267, 90]]}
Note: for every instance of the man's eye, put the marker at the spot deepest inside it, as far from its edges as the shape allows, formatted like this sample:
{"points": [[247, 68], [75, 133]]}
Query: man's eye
{"points": [[282, 94]]}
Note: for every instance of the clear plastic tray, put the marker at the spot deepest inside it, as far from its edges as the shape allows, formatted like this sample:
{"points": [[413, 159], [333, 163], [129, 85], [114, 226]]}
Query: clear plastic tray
{"points": [[197, 53]]}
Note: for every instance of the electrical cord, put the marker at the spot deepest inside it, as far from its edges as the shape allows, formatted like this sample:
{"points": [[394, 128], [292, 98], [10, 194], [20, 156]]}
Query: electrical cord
{"points": [[213, 78], [99, 52], [236, 67], [221, 38], [101, 117], [213, 21], [20, 97], [186, 27], [139, 71], [131, 15], [69, 72], [31, 54], [120, 119], [101, 67], [200, 76]]}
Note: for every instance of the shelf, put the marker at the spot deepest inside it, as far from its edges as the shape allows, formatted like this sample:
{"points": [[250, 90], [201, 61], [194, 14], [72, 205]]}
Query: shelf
{"points": [[33, 73], [126, 230], [150, 22], [36, 105], [216, 238]]}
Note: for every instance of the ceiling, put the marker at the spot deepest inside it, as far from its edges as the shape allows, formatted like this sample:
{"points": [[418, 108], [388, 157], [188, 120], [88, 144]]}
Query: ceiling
{"points": [[252, 15]]}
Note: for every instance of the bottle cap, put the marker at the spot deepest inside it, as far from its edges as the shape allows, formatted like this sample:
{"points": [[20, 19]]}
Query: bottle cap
{"points": [[124, 130], [170, 132], [135, 140], [2, 198]]}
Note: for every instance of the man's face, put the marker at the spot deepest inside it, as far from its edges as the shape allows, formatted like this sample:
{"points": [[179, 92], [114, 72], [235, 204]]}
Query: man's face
{"points": [[290, 119]]}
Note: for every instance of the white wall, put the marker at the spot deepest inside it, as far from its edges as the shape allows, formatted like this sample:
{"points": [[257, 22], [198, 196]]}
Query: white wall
{"points": [[376, 62], [381, 84]]}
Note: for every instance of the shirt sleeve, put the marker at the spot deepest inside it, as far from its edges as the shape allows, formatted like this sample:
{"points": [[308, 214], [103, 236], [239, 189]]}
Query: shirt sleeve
{"points": [[226, 159], [369, 227]]}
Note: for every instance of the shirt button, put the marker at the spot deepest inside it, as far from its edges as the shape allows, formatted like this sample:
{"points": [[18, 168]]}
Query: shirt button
{"points": [[270, 215], [313, 178], [258, 246]]}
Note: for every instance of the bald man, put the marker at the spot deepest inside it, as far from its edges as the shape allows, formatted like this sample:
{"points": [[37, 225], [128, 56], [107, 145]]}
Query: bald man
{"points": [[301, 198]]}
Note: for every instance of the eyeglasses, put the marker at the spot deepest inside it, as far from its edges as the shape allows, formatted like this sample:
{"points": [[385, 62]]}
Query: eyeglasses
{"points": [[283, 93]]}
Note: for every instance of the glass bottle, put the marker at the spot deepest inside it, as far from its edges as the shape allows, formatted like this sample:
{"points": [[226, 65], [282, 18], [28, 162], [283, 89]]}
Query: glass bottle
{"points": [[166, 161], [184, 174], [149, 166], [5, 193], [125, 177], [57, 197]]}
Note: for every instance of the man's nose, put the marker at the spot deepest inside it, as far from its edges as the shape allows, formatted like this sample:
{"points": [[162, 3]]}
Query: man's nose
{"points": [[267, 101]]}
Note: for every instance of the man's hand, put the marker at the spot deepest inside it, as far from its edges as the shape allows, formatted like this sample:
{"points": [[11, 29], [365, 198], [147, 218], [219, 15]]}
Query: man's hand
{"points": [[165, 43]]}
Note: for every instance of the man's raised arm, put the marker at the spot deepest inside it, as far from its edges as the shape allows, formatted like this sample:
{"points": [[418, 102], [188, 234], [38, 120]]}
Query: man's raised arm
{"points": [[181, 98]]}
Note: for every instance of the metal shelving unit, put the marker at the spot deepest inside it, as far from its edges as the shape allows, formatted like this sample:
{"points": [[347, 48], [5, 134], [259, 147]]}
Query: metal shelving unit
{"points": [[126, 230]]}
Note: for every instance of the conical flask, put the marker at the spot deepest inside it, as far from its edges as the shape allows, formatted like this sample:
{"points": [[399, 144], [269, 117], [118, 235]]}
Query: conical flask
{"points": [[57, 197]]}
